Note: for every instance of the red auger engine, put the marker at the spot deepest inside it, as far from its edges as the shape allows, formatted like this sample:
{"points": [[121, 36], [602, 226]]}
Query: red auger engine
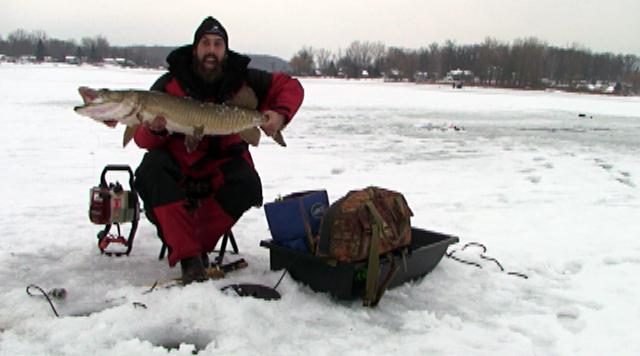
{"points": [[111, 205]]}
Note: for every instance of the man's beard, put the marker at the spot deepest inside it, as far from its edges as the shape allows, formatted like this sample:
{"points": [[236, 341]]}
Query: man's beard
{"points": [[207, 75]]}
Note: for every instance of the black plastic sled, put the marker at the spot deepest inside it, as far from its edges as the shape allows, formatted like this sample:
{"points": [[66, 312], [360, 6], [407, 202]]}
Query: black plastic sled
{"points": [[348, 280]]}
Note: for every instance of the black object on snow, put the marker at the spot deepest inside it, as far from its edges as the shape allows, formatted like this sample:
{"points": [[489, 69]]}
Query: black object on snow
{"points": [[348, 280]]}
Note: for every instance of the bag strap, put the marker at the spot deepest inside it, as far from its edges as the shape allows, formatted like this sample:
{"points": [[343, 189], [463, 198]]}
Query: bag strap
{"points": [[307, 226], [395, 235], [374, 292], [373, 268], [405, 214], [376, 215], [393, 268]]}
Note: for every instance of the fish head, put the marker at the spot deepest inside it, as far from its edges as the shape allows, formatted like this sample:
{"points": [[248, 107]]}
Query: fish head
{"points": [[107, 105]]}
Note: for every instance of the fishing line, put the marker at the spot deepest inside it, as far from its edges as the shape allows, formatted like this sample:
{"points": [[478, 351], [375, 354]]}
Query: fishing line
{"points": [[484, 257], [57, 293], [285, 271]]}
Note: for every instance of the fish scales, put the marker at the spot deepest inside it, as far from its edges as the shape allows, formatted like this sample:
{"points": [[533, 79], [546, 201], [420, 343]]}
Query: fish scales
{"points": [[214, 118]]}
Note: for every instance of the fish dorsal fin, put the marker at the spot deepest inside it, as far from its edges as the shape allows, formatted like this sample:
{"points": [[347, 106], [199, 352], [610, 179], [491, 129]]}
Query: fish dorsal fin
{"points": [[129, 131], [244, 98], [251, 135]]}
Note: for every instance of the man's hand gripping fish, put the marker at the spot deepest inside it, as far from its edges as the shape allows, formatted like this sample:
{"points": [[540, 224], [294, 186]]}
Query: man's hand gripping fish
{"points": [[192, 118]]}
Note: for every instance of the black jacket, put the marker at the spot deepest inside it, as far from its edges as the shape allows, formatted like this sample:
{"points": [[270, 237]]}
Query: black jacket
{"points": [[235, 73]]}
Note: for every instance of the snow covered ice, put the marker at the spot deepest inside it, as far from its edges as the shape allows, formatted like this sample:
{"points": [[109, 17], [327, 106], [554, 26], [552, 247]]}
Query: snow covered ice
{"points": [[551, 194]]}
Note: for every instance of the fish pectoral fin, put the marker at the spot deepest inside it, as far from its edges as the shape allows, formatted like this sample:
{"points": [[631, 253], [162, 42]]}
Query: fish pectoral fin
{"points": [[198, 132], [251, 135], [129, 131], [279, 139], [191, 141]]}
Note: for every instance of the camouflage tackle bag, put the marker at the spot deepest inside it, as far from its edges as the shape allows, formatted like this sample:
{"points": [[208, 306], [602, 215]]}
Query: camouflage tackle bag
{"points": [[363, 225]]}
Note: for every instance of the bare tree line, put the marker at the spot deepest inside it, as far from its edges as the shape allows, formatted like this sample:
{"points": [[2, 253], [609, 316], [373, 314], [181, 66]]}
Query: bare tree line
{"points": [[525, 63], [89, 49], [37, 46]]}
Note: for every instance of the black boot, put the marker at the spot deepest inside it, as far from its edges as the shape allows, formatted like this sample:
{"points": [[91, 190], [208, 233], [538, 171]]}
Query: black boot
{"points": [[192, 270]]}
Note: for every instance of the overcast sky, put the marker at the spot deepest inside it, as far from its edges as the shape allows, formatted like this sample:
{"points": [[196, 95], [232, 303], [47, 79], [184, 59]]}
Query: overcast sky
{"points": [[282, 27]]}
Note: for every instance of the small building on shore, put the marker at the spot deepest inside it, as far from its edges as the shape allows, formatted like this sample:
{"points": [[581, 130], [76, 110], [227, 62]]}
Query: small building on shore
{"points": [[71, 60]]}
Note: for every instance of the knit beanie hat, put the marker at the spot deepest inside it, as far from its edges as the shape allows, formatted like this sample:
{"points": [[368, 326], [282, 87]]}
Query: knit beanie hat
{"points": [[211, 26]]}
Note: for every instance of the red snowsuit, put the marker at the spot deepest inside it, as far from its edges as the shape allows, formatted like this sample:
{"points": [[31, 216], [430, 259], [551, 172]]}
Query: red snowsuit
{"points": [[222, 163]]}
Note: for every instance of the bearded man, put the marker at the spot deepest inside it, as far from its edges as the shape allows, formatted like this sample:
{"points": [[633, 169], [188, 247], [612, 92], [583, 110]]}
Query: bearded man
{"points": [[195, 196]]}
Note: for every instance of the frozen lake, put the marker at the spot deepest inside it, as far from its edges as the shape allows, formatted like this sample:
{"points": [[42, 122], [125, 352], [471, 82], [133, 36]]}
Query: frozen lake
{"points": [[548, 181]]}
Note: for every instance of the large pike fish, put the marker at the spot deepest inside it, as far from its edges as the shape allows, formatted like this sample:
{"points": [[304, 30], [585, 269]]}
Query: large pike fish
{"points": [[192, 118]]}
